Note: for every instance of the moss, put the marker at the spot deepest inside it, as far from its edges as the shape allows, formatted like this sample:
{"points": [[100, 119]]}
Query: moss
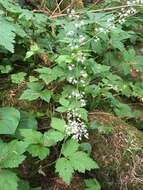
{"points": [[119, 154]]}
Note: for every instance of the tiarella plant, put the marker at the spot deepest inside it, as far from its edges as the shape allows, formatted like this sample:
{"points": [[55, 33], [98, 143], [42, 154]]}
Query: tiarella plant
{"points": [[72, 65]]}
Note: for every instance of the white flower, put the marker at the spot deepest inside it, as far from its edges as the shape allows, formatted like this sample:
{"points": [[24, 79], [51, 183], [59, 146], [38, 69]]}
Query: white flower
{"points": [[83, 102], [96, 39], [101, 29], [71, 67], [132, 10], [77, 25], [68, 10], [76, 46], [73, 46], [70, 79], [121, 21], [82, 81], [73, 11], [77, 16], [82, 22], [80, 57], [76, 94], [82, 38], [83, 74], [126, 12], [129, 3], [76, 127], [110, 20], [70, 33]]}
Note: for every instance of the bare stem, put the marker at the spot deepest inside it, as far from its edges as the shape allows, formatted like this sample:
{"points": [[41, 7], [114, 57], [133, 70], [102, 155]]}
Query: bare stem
{"points": [[115, 8]]}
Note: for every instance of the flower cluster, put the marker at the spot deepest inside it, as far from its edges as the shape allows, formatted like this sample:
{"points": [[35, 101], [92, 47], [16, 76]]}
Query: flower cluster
{"points": [[77, 41], [79, 58], [78, 97], [130, 10], [110, 25], [76, 127], [134, 2], [72, 13], [78, 75], [81, 80], [125, 12]]}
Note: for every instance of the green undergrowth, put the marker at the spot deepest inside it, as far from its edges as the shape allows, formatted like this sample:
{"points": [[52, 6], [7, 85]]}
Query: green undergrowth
{"points": [[59, 65]]}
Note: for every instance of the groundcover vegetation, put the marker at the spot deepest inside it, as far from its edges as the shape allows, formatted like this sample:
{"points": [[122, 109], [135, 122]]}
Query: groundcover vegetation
{"points": [[61, 61]]}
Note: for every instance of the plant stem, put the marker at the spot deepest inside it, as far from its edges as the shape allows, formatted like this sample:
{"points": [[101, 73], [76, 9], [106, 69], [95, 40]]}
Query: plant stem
{"points": [[115, 8]]}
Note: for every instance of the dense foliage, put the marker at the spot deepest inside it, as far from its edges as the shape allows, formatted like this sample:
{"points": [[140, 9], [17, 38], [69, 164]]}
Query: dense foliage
{"points": [[71, 64]]}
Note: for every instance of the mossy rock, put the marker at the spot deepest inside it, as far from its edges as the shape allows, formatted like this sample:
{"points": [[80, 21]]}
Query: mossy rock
{"points": [[119, 154]]}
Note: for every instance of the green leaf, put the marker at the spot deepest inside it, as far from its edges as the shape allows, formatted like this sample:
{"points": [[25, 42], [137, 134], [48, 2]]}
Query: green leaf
{"points": [[8, 180], [129, 56], [5, 69], [117, 44], [123, 110], [11, 154], [52, 137], [81, 162], [31, 136], [44, 70], [117, 36], [103, 129], [94, 125], [33, 79], [7, 34], [46, 74], [35, 86], [64, 59], [38, 151], [19, 30], [98, 68], [34, 49], [59, 72], [33, 92], [65, 170], [27, 121], [97, 46], [18, 78], [83, 113], [70, 147], [58, 124], [64, 102], [29, 95], [47, 78], [61, 109], [92, 184], [23, 185], [9, 119], [86, 147], [11, 6], [46, 95]]}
